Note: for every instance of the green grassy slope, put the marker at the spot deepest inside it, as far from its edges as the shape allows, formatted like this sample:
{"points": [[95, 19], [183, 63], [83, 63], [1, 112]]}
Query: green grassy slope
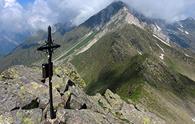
{"points": [[27, 54], [115, 63], [70, 41]]}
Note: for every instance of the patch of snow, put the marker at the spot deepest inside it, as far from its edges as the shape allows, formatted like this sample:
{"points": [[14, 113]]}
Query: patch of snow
{"points": [[160, 48], [129, 18], [158, 28], [10, 40], [139, 52], [180, 29], [181, 25], [186, 55], [186, 32], [162, 40], [193, 119], [162, 56]]}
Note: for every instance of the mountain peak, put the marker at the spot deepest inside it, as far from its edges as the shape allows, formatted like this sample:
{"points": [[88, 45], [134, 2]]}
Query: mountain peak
{"points": [[190, 18], [188, 23], [104, 15], [119, 4]]}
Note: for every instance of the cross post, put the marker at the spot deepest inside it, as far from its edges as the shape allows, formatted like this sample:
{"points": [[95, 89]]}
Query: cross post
{"points": [[47, 68]]}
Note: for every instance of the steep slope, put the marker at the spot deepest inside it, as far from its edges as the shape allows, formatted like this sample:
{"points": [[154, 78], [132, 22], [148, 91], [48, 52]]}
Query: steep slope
{"points": [[129, 54], [118, 19], [130, 63], [181, 32], [11, 40], [24, 53], [25, 101], [134, 63], [69, 38], [104, 16], [72, 39], [27, 54]]}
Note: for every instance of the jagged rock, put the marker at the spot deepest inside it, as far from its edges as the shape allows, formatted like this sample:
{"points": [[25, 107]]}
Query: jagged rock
{"points": [[8, 98], [74, 103], [60, 84], [98, 98], [86, 117], [34, 90], [79, 98], [68, 70], [130, 112], [28, 116], [54, 121], [113, 99], [10, 74], [24, 99], [6, 118], [22, 117]]}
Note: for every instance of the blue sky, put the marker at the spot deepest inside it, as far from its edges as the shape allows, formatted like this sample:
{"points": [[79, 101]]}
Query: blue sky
{"points": [[38, 14], [24, 3]]}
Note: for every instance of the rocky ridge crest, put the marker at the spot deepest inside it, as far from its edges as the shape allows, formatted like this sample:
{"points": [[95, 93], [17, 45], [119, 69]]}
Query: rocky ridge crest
{"points": [[25, 101]]}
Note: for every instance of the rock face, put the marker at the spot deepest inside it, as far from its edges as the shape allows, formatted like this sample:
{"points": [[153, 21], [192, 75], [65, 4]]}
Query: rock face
{"points": [[24, 100]]}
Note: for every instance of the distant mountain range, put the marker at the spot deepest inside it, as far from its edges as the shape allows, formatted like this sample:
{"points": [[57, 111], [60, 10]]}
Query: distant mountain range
{"points": [[180, 32], [146, 61], [10, 41]]}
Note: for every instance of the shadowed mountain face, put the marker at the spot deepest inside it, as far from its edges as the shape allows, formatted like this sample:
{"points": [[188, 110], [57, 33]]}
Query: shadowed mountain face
{"points": [[67, 35], [182, 33], [12, 40], [134, 56], [9, 41], [104, 16], [64, 34], [134, 64]]}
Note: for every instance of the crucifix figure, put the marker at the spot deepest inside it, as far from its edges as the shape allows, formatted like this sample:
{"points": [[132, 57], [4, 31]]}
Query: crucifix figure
{"points": [[47, 69]]}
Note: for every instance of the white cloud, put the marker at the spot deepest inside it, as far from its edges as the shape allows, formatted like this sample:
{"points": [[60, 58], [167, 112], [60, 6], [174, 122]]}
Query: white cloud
{"points": [[12, 16], [9, 3], [41, 13], [90, 8], [169, 10]]}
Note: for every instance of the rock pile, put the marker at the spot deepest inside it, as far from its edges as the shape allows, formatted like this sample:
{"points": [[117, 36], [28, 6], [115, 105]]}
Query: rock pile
{"points": [[24, 100]]}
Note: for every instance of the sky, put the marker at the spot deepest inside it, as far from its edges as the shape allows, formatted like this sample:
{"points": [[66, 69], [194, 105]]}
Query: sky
{"points": [[25, 3], [24, 15]]}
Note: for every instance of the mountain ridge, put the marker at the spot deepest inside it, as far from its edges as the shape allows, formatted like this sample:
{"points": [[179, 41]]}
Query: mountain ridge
{"points": [[113, 8], [121, 52], [104, 15]]}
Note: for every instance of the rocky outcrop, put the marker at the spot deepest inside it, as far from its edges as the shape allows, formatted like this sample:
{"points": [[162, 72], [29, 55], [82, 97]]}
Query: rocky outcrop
{"points": [[24, 100]]}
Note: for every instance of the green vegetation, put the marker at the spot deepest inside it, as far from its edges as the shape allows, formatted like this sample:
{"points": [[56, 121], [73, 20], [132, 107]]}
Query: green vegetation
{"points": [[27, 54], [78, 45], [114, 63], [125, 60]]}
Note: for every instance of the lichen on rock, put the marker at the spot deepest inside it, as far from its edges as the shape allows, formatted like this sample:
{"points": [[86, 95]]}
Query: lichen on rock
{"points": [[25, 101]]}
